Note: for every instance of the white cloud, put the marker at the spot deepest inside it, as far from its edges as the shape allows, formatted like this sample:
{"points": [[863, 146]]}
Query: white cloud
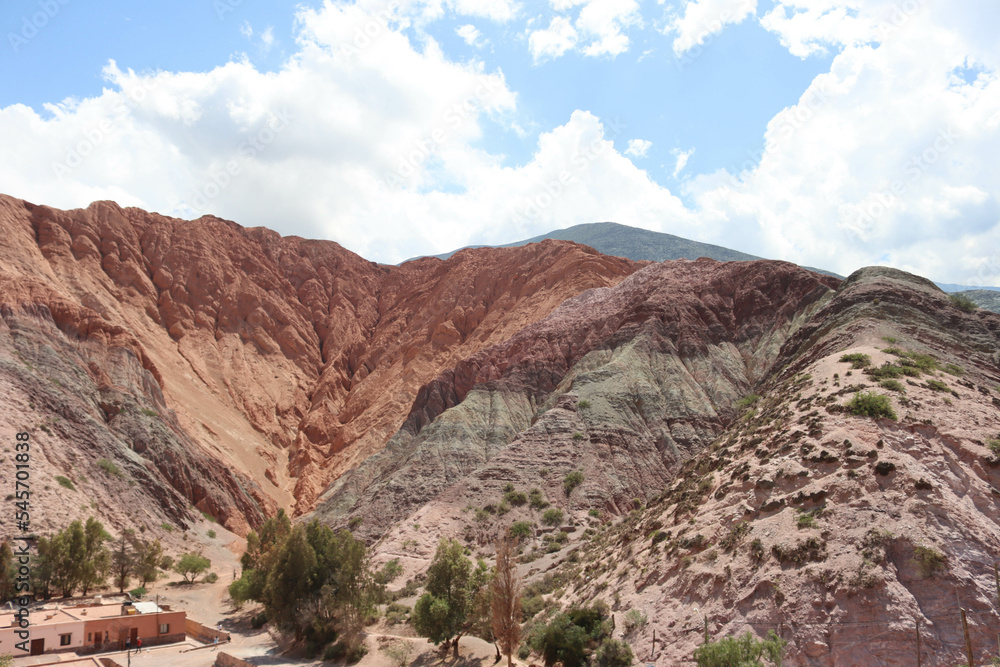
{"points": [[889, 157], [638, 147], [596, 31], [682, 160], [352, 139], [372, 139], [701, 19], [553, 41], [469, 33], [500, 11]]}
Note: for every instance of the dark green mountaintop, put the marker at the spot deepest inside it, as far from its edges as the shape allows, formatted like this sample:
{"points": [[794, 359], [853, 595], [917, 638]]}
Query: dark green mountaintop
{"points": [[633, 243]]}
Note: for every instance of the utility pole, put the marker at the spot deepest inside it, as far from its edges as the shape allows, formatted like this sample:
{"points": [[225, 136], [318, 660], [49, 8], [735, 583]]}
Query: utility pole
{"points": [[968, 642]]}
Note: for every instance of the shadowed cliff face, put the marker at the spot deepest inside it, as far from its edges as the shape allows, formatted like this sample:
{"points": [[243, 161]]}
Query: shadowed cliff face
{"points": [[657, 362], [273, 364]]}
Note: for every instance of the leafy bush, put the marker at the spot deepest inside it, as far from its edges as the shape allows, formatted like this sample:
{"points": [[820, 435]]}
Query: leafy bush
{"points": [[259, 620], [191, 565], [963, 302], [583, 405], [578, 436], [614, 653], [893, 385], [806, 520], [993, 444], [396, 614], [886, 371], [571, 481], [211, 578], [536, 500], [735, 536], [937, 385], [857, 360], [744, 651], [928, 560], [211, 534], [552, 516], [634, 620], [137, 592], [516, 498], [110, 467], [354, 522], [65, 483], [150, 413], [870, 404], [342, 650], [521, 530], [747, 401], [952, 369]]}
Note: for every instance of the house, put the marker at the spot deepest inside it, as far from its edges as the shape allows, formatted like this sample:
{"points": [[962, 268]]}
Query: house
{"points": [[91, 628]]}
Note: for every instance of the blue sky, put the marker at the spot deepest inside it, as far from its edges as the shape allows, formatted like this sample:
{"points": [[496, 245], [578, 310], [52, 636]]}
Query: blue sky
{"points": [[769, 127]]}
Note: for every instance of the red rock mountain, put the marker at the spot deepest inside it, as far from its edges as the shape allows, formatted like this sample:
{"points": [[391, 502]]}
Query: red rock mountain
{"points": [[271, 364]]}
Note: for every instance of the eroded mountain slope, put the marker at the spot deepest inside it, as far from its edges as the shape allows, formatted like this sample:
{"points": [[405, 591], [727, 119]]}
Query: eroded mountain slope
{"points": [[632, 379], [275, 363], [838, 531]]}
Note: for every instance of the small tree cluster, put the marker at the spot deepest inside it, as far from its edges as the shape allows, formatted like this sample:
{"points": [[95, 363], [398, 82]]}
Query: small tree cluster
{"points": [[76, 559], [312, 582], [571, 637], [745, 650]]}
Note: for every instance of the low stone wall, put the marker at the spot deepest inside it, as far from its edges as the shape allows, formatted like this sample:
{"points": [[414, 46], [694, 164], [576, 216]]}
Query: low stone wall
{"points": [[226, 660], [204, 633]]}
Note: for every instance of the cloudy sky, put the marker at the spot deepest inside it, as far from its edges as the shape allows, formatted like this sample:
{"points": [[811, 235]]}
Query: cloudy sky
{"points": [[832, 133]]}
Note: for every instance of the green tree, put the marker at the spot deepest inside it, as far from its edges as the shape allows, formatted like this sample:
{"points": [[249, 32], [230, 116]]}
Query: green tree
{"points": [[289, 586], [614, 653], [96, 558], [445, 611], [505, 599], [350, 590], [41, 570], [191, 565], [8, 573], [743, 651], [123, 560], [149, 556], [65, 553], [564, 641]]}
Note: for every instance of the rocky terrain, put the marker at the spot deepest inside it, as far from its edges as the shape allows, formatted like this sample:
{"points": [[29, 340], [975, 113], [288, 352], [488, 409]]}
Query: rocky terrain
{"points": [[838, 531], [675, 438], [228, 369]]}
